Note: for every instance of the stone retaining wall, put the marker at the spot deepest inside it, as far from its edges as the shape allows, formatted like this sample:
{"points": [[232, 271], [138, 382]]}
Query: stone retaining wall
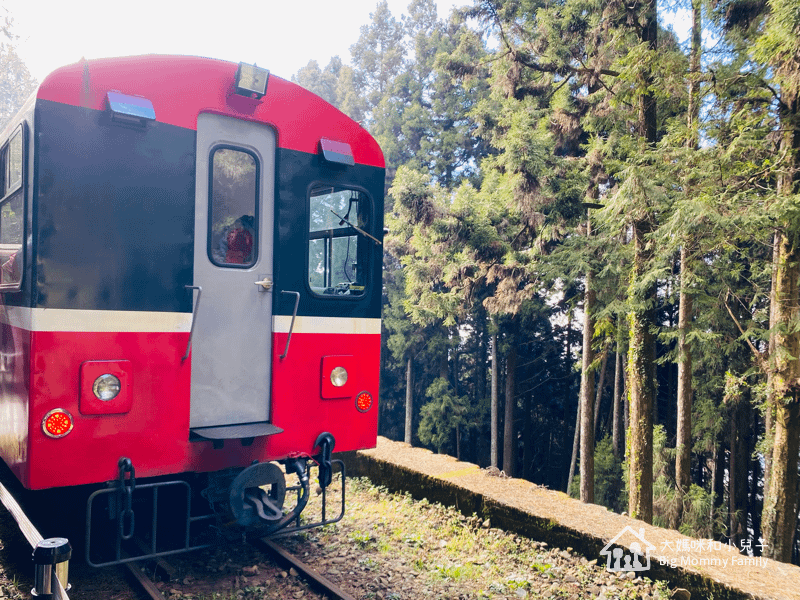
{"points": [[706, 568]]}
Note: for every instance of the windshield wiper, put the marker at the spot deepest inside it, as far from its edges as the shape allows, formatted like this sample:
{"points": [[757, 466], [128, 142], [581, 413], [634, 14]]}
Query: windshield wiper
{"points": [[358, 229]]}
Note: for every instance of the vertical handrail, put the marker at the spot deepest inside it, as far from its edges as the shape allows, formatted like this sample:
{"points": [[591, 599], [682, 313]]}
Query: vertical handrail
{"points": [[291, 325], [194, 318]]}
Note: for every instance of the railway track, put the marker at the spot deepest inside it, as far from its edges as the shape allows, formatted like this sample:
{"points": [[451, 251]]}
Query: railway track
{"points": [[50, 582], [278, 554], [143, 586], [317, 580], [153, 581]]}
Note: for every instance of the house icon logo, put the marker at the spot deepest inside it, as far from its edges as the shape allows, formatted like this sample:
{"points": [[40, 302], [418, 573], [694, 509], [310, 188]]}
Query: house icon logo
{"points": [[636, 559]]}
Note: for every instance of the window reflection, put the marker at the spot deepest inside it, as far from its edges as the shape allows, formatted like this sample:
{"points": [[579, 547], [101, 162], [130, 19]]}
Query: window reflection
{"points": [[233, 197], [337, 252], [12, 210]]}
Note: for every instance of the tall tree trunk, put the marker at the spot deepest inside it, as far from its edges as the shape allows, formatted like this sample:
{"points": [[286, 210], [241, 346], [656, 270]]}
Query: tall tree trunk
{"points": [[509, 437], [769, 413], [717, 481], [641, 392], [601, 382], [683, 454], [738, 472], [641, 355], [409, 400], [780, 500], [576, 442], [779, 519], [626, 407], [617, 416], [527, 447], [755, 506], [747, 438], [494, 402], [480, 359], [567, 397], [455, 393], [587, 388]]}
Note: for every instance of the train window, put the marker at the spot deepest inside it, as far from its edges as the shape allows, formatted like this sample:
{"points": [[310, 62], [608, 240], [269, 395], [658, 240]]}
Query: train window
{"points": [[338, 245], [233, 197], [12, 210], [14, 171]]}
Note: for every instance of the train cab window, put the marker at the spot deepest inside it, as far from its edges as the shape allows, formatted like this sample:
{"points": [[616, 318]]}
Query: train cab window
{"points": [[12, 209], [338, 245], [233, 200]]}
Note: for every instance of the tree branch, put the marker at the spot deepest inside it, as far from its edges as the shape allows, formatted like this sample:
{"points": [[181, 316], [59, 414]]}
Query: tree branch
{"points": [[759, 356]]}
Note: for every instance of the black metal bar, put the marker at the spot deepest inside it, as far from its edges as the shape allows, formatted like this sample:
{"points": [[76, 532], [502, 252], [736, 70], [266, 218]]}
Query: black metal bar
{"points": [[119, 555], [326, 254], [153, 528], [324, 520], [325, 501]]}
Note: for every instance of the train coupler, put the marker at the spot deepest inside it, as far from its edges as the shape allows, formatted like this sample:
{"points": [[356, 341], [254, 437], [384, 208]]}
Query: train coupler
{"points": [[250, 503], [325, 442]]}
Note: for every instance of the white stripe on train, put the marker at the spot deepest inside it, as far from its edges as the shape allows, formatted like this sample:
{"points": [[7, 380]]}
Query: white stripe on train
{"points": [[72, 320]]}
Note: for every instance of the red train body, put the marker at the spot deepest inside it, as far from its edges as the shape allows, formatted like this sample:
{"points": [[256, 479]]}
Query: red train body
{"points": [[191, 273]]}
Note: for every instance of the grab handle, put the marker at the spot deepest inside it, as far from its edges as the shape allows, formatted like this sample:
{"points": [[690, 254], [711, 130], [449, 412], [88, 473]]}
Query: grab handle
{"points": [[194, 318], [291, 325]]}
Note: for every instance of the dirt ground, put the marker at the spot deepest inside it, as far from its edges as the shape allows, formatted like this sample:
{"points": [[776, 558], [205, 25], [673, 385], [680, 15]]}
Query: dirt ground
{"points": [[387, 547]]}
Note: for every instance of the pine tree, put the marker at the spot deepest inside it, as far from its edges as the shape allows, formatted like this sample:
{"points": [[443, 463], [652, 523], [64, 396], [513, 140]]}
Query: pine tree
{"points": [[323, 82], [16, 83], [378, 58], [780, 48]]}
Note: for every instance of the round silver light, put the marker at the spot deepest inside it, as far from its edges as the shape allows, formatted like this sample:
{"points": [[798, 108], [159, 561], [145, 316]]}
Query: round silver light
{"points": [[106, 387], [339, 376]]}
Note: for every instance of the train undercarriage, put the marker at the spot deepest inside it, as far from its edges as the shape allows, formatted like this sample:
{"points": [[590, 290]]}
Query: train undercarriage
{"points": [[129, 520]]}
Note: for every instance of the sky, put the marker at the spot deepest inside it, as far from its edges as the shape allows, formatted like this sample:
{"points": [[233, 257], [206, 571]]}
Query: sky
{"points": [[281, 36]]}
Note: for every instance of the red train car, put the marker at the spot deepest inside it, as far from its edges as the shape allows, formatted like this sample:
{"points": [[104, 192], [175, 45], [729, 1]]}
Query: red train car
{"points": [[190, 259]]}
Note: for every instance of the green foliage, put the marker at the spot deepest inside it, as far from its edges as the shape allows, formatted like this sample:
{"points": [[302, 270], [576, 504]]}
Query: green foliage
{"points": [[16, 82], [492, 149], [780, 45], [442, 414], [698, 517], [608, 478], [324, 83]]}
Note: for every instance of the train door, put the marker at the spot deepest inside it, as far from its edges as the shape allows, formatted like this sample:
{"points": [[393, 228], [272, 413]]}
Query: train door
{"points": [[231, 343]]}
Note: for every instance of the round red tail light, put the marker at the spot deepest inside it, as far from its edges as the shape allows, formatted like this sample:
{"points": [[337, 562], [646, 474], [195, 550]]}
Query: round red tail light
{"points": [[57, 423], [364, 401]]}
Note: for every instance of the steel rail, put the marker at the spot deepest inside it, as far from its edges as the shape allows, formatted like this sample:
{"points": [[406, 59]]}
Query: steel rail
{"points": [[316, 578], [144, 582]]}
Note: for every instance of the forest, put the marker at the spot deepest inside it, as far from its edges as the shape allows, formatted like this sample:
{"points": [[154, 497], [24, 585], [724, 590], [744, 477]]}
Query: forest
{"points": [[592, 266]]}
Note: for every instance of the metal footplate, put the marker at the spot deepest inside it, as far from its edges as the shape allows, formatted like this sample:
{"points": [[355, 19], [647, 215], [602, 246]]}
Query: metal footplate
{"points": [[245, 433]]}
